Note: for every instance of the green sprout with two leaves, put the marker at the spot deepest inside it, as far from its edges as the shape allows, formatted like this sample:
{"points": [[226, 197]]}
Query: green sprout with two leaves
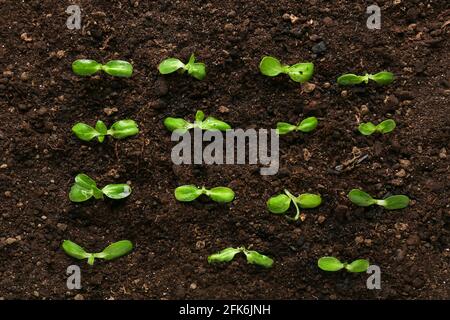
{"points": [[306, 125], [280, 204], [113, 251], [86, 188], [119, 130], [189, 193], [333, 264], [194, 69], [253, 257], [299, 72], [381, 78], [383, 127], [116, 68], [364, 199], [210, 123]]}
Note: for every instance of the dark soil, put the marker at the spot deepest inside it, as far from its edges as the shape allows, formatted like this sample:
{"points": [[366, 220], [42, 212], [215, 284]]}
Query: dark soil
{"points": [[41, 99]]}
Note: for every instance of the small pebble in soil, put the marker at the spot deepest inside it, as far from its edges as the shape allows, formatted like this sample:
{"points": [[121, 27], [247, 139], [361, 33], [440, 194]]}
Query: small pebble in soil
{"points": [[308, 87], [79, 297], [364, 109], [344, 93], [8, 194], [320, 47], [193, 286], [321, 219], [443, 153], [110, 111], [24, 76], [223, 109]]}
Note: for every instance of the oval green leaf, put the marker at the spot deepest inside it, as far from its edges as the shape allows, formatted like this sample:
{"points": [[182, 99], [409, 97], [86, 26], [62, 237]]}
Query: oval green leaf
{"points": [[361, 198], [225, 255], [367, 128], [187, 193], [308, 124], [79, 194], [270, 66], [212, 124], [221, 194], [301, 72], [259, 259], [279, 204], [173, 124], [118, 68], [360, 265], [395, 202], [115, 250], [309, 200], [197, 70], [330, 264], [350, 79], [386, 126], [84, 132], [170, 65], [74, 250], [85, 67], [123, 128], [117, 191], [284, 127], [383, 77]]}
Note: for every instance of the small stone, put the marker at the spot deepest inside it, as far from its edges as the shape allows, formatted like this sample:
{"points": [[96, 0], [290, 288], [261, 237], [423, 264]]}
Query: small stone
{"points": [[308, 87], [24, 76], [228, 27], [25, 37], [306, 154], [79, 297], [42, 111], [404, 163], [286, 16], [36, 294], [359, 239], [8, 73], [326, 85], [390, 103], [344, 93], [8, 194], [443, 153], [321, 47], [321, 219], [193, 286], [413, 240], [9, 241], [364, 109], [60, 54], [61, 226], [110, 111], [368, 242], [401, 173], [200, 244], [223, 109]]}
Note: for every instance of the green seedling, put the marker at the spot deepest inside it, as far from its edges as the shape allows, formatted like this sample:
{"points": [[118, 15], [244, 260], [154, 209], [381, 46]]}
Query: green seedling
{"points": [[306, 125], [113, 251], [116, 68], [86, 188], [381, 78], [119, 130], [383, 127], [299, 72], [280, 204], [253, 257], [364, 199], [333, 264], [195, 69], [210, 123], [189, 193]]}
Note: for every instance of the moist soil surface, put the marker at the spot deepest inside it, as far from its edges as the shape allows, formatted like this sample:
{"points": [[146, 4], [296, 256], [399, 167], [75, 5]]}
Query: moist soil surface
{"points": [[41, 99]]}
